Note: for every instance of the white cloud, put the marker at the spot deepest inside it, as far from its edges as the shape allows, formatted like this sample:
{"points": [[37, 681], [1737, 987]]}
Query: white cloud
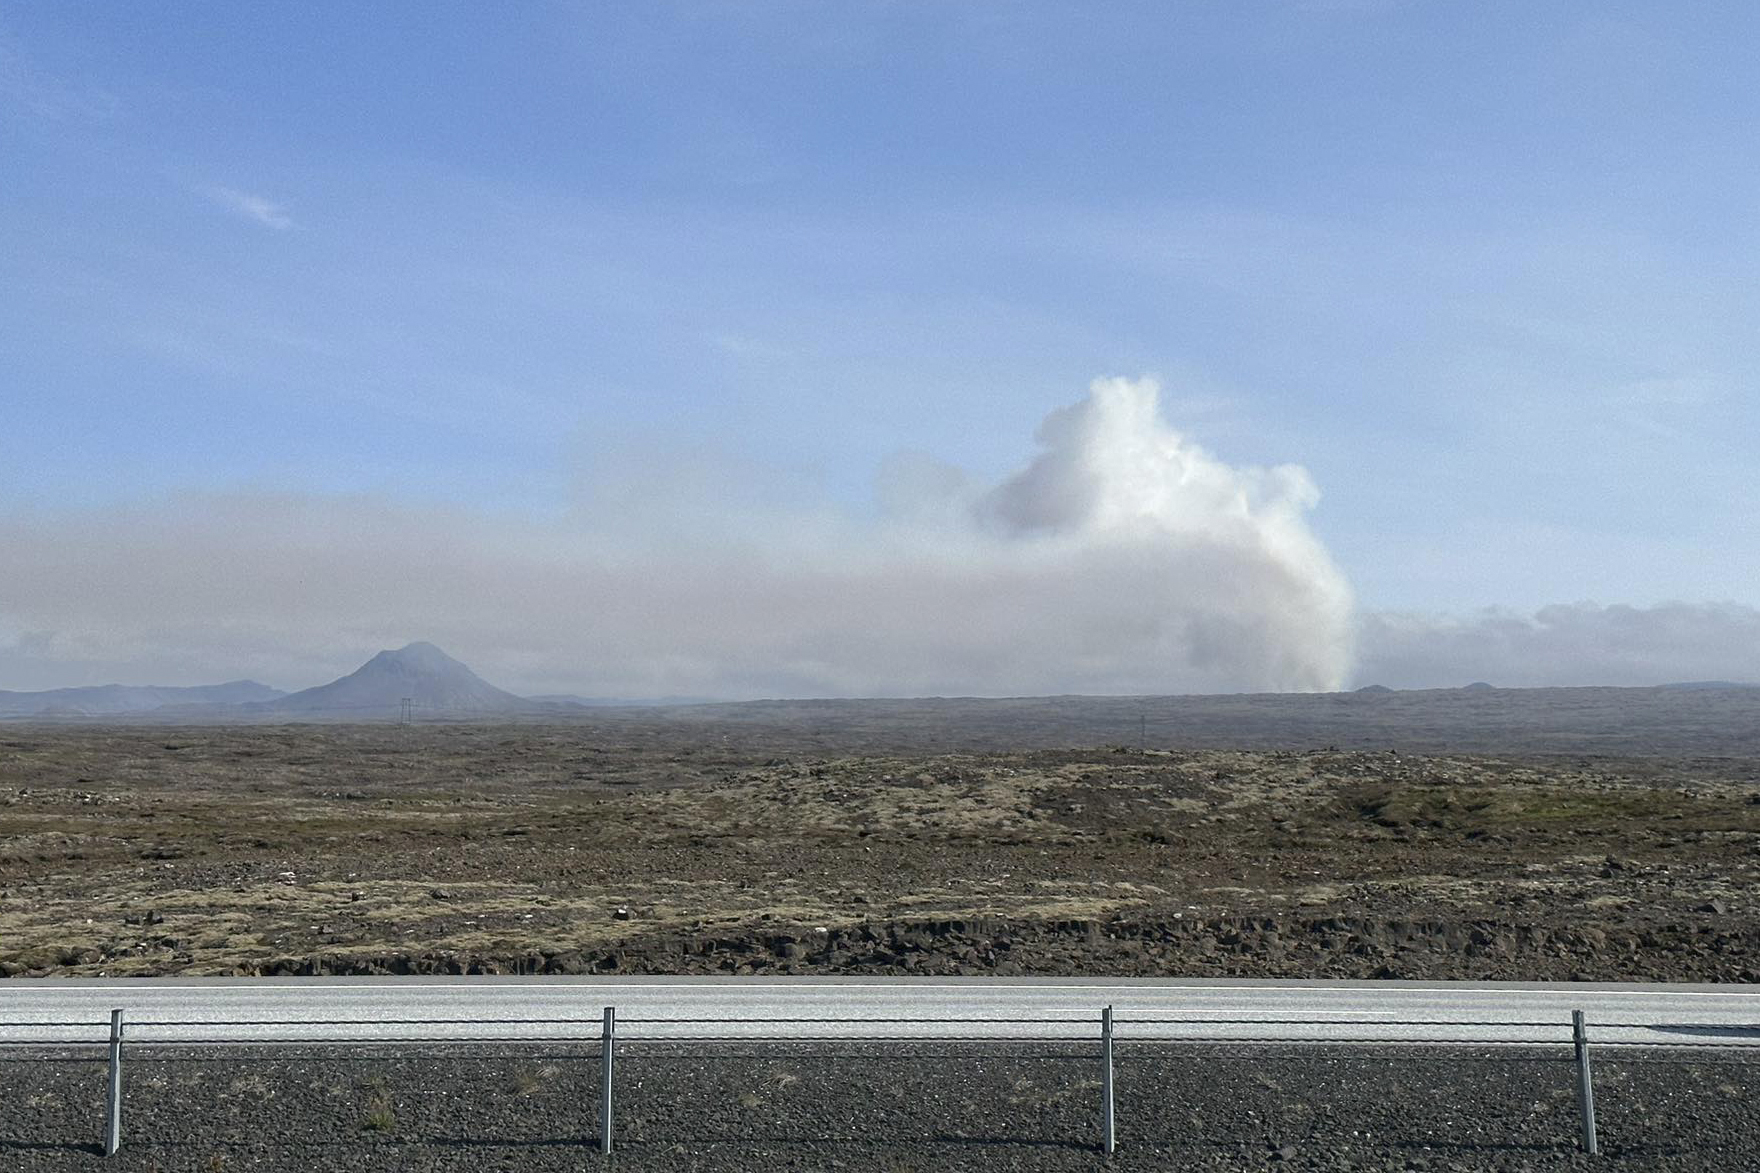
{"points": [[1123, 558], [1564, 644], [264, 211]]}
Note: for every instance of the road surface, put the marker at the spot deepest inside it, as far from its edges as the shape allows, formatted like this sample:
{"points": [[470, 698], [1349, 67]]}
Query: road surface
{"points": [[228, 1010]]}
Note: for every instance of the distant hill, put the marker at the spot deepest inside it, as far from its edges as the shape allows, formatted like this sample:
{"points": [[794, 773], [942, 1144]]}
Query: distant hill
{"points": [[433, 682], [568, 699], [1701, 685], [107, 699]]}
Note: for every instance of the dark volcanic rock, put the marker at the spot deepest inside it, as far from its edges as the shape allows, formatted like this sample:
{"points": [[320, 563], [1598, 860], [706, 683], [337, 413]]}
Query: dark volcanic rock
{"points": [[1253, 946]]}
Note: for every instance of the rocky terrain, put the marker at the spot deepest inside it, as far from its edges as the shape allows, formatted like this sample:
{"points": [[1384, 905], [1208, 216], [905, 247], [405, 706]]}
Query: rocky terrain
{"points": [[570, 849]]}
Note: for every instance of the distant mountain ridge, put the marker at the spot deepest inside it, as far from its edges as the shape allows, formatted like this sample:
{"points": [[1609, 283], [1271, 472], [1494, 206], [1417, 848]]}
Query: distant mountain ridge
{"points": [[1696, 716], [104, 699], [569, 699], [433, 683], [1701, 685]]}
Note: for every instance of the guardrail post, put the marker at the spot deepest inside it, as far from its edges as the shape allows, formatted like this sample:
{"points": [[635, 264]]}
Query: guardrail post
{"points": [[1111, 1136], [607, 1046], [113, 1117], [1585, 1083]]}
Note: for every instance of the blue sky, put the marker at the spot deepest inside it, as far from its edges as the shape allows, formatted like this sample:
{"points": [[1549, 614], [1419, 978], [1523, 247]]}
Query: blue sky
{"points": [[1484, 270]]}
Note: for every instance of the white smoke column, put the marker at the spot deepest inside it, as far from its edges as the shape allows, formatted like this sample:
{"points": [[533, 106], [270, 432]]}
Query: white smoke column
{"points": [[1213, 568], [1122, 559]]}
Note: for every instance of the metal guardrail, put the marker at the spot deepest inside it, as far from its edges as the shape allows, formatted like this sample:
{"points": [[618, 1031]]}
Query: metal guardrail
{"points": [[610, 1031]]}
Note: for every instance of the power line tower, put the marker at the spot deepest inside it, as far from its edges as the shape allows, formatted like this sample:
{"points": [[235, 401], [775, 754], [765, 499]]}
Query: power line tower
{"points": [[406, 714]]}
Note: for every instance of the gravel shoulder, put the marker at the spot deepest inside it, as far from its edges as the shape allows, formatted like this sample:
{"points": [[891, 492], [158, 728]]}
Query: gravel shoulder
{"points": [[895, 1107]]}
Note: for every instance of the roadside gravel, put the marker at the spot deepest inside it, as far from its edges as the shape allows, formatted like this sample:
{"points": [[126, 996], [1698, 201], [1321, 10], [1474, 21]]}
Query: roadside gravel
{"points": [[896, 1107]]}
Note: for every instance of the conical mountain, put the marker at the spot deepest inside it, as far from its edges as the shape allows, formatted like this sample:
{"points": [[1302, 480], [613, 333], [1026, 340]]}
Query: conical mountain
{"points": [[433, 682]]}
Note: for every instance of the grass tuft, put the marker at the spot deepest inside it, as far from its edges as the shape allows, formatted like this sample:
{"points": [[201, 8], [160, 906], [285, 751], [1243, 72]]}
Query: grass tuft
{"points": [[379, 1115]]}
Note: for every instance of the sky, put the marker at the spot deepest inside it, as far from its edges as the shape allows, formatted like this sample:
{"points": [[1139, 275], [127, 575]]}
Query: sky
{"points": [[775, 348]]}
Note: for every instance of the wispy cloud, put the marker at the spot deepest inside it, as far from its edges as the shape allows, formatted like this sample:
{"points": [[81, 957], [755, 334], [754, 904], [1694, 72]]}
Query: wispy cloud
{"points": [[46, 95], [263, 210], [1563, 644]]}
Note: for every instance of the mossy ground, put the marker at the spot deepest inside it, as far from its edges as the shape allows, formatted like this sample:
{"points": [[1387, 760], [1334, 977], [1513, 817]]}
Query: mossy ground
{"points": [[154, 851]]}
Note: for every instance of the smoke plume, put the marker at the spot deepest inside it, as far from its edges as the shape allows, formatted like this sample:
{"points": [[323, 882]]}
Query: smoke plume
{"points": [[1121, 558]]}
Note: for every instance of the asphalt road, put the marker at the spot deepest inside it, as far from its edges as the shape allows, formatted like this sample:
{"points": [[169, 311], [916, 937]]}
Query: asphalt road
{"points": [[234, 1010]]}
